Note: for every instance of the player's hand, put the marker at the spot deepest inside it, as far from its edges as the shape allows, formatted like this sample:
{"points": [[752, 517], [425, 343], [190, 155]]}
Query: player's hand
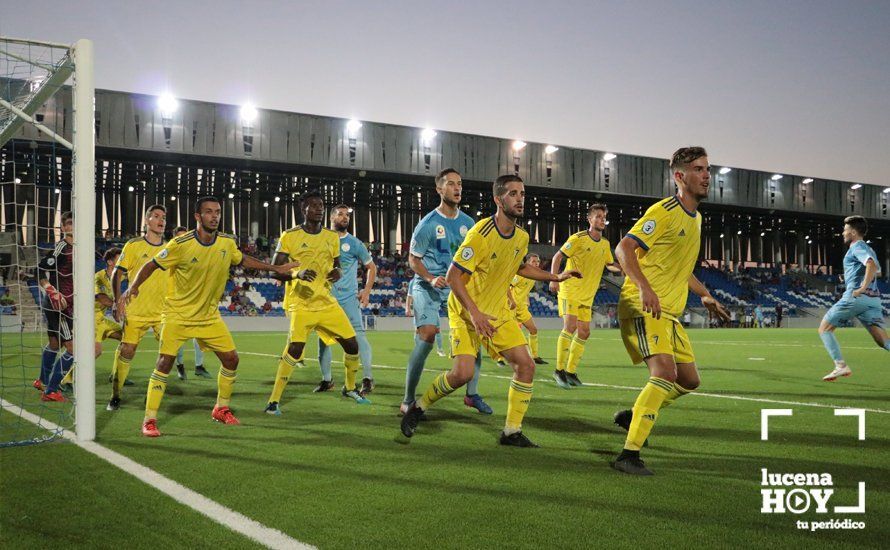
{"points": [[569, 274], [364, 297], [285, 269], [334, 275], [439, 282], [307, 275], [115, 313], [512, 304], [554, 287], [715, 307], [858, 292], [408, 311], [482, 323], [650, 301]]}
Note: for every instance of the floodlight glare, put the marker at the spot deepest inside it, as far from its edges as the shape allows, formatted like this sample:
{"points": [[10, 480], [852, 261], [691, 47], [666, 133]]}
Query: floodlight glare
{"points": [[721, 235], [550, 149], [167, 104], [808, 180], [352, 126], [231, 195], [277, 199], [725, 170], [856, 186], [427, 135], [265, 204], [609, 156], [131, 188], [518, 145], [886, 191], [248, 113], [776, 177]]}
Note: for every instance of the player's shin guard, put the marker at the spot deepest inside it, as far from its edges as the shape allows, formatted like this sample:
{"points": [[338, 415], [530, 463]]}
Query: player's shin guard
{"points": [[645, 412], [225, 382], [676, 392], [350, 364], [832, 345], [47, 360], [437, 390], [473, 384], [325, 358], [119, 372], [285, 367], [518, 398], [157, 384], [533, 344], [416, 361], [364, 353], [562, 349], [576, 351]]}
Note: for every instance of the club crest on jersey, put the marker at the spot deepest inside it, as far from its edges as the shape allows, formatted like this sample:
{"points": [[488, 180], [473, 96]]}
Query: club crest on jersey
{"points": [[463, 231], [163, 254], [466, 253], [649, 227], [345, 247], [440, 231]]}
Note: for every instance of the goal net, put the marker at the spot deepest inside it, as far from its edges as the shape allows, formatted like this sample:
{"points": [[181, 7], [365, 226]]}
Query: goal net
{"points": [[47, 167]]}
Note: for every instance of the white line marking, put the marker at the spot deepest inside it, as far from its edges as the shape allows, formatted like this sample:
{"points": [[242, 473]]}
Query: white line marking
{"points": [[757, 359], [255, 531]]}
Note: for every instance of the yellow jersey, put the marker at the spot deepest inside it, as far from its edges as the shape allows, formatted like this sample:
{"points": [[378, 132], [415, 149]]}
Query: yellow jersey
{"points": [[491, 260], [670, 241], [521, 288], [199, 272], [315, 251], [149, 305], [589, 256], [101, 285]]}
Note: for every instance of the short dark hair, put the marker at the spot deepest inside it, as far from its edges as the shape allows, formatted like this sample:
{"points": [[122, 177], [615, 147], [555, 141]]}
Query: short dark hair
{"points": [[597, 206], [202, 200], [111, 253], [685, 155], [531, 255], [67, 216], [858, 223], [500, 184], [179, 228], [339, 206], [311, 194], [440, 177], [154, 207]]}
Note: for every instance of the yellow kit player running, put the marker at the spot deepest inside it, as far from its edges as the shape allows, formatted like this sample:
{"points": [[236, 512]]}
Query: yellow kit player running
{"points": [[199, 263], [479, 277], [105, 327], [588, 252], [310, 300], [658, 255], [517, 296], [144, 312]]}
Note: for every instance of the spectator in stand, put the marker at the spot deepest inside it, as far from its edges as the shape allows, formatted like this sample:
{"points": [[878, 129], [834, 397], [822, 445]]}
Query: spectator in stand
{"points": [[779, 312], [733, 318], [267, 307]]}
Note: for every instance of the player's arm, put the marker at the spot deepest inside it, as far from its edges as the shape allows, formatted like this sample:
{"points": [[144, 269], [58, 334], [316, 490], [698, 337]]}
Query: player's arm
{"points": [[409, 305], [510, 299], [555, 266], [147, 270], [46, 268], [457, 278], [335, 274], [715, 307], [281, 269], [626, 251], [417, 266], [871, 270], [531, 272], [104, 300], [364, 297]]}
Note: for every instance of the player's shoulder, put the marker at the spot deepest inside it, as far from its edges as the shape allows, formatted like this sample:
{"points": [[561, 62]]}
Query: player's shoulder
{"points": [[227, 236], [185, 237], [463, 217], [135, 241], [292, 231]]}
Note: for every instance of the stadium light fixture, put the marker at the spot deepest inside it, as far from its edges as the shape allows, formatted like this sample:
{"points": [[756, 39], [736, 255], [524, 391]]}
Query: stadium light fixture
{"points": [[58, 191], [807, 237], [739, 232], [550, 149], [277, 199], [721, 235], [609, 156], [855, 186], [529, 222], [173, 198], [131, 189], [427, 136], [807, 180], [265, 204], [352, 128], [763, 233], [231, 195], [167, 104], [725, 170], [886, 191], [18, 180], [248, 113], [776, 177], [519, 145]]}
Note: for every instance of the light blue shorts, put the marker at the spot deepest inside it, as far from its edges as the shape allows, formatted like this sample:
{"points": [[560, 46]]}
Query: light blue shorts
{"points": [[427, 304], [354, 311], [865, 308]]}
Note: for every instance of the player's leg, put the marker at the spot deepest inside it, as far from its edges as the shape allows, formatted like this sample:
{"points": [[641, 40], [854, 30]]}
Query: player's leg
{"points": [[286, 364], [325, 358], [518, 396], [426, 322], [472, 399], [47, 360], [836, 316], [872, 318], [879, 335], [217, 338], [532, 329], [564, 342], [353, 312], [64, 363], [576, 350], [157, 385], [350, 369], [445, 383], [440, 351], [200, 371]]}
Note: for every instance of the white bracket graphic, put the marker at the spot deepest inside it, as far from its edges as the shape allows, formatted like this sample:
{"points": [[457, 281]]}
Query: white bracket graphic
{"points": [[764, 420], [854, 412]]}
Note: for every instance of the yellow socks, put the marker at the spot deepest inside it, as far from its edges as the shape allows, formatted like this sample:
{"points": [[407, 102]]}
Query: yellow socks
{"points": [[518, 398], [533, 345], [645, 412], [285, 367], [437, 390], [676, 392], [575, 352], [119, 371], [157, 384], [350, 362], [562, 349], [225, 382]]}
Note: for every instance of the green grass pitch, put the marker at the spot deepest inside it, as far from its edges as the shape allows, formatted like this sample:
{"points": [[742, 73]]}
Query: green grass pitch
{"points": [[330, 473]]}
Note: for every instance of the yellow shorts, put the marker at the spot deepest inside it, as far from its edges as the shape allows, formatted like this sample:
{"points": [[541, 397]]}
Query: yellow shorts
{"points": [[213, 336], [331, 324], [465, 340], [105, 327], [574, 307], [135, 329], [647, 336], [522, 314]]}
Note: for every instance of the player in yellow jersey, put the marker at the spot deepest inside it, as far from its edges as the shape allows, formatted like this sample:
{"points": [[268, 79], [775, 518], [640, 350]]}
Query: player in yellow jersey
{"points": [[480, 274], [659, 255], [199, 264], [589, 252], [310, 301], [517, 296], [145, 311], [200, 371], [105, 327]]}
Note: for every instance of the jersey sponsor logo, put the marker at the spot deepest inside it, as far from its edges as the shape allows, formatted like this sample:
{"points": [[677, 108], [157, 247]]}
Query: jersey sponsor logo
{"points": [[345, 247], [463, 231], [649, 227], [440, 232], [163, 254], [466, 253]]}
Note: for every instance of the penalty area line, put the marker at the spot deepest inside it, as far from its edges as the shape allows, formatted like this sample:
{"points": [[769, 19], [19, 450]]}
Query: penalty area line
{"points": [[239, 523]]}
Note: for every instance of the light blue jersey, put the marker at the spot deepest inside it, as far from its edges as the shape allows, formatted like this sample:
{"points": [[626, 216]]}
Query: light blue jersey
{"points": [[435, 240], [352, 254], [854, 269]]}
